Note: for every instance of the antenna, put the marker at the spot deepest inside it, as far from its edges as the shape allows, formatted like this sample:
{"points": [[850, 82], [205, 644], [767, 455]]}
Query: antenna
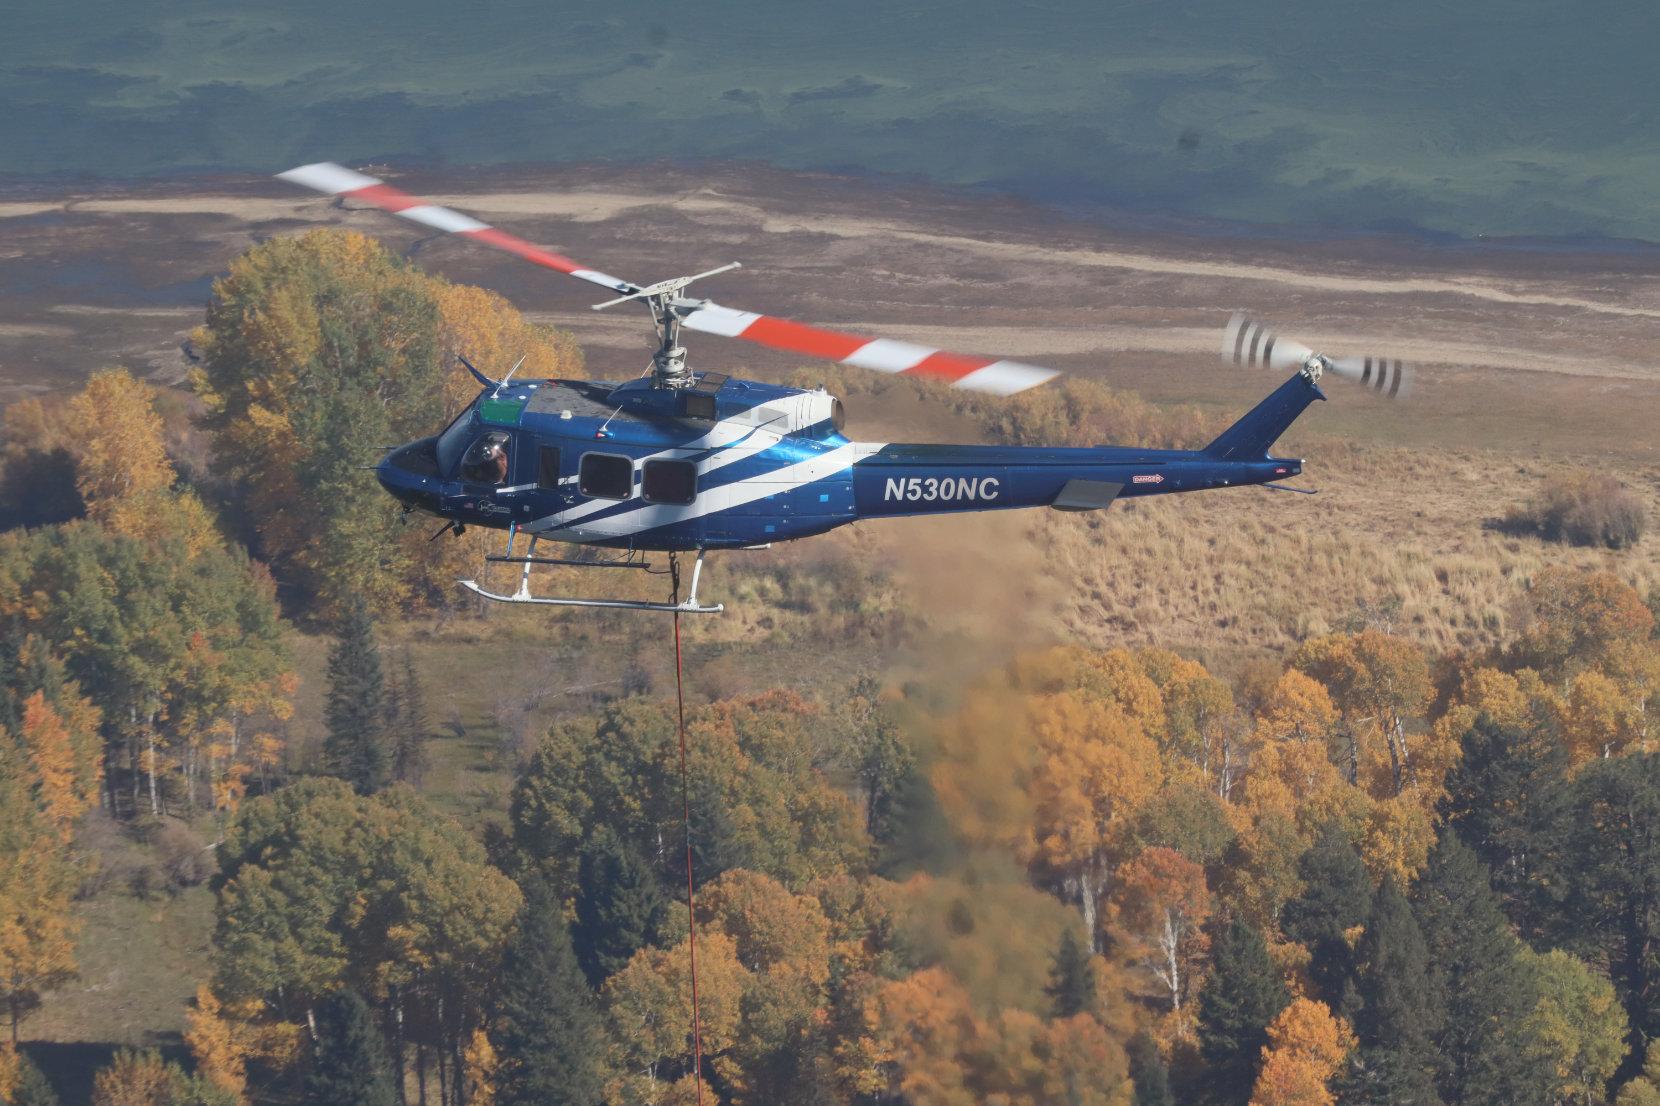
{"points": [[509, 375]]}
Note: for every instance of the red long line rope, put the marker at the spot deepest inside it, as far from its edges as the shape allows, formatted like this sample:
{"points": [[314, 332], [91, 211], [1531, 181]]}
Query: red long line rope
{"points": [[686, 822]]}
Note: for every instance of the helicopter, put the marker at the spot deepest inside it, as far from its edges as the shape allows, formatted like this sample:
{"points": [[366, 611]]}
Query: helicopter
{"points": [[681, 461]]}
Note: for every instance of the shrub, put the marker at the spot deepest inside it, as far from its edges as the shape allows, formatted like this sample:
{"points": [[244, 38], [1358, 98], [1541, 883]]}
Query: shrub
{"points": [[1582, 509], [182, 857]]}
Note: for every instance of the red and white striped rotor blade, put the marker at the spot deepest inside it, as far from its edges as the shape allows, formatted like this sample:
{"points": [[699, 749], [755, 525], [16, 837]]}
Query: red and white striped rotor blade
{"points": [[980, 374], [977, 374], [337, 180]]}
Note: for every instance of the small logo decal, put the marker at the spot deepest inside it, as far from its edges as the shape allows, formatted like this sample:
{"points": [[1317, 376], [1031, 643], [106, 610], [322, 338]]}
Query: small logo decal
{"points": [[1148, 478]]}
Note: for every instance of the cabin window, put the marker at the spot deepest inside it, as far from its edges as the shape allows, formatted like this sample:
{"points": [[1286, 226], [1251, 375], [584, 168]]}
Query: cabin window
{"points": [[606, 476], [486, 460], [668, 481], [547, 467], [699, 406]]}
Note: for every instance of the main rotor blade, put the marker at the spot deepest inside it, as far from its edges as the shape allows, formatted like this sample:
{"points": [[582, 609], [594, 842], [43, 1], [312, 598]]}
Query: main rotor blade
{"points": [[337, 180], [975, 374], [979, 374]]}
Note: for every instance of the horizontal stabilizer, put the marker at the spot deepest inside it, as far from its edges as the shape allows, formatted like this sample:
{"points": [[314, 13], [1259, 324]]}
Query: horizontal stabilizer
{"points": [[1086, 495]]}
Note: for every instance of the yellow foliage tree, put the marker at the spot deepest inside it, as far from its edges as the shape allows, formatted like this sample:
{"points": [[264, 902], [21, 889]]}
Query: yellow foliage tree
{"points": [[648, 1006], [67, 777], [219, 1042], [123, 472], [478, 1062], [1095, 768], [137, 1079], [1306, 1045]]}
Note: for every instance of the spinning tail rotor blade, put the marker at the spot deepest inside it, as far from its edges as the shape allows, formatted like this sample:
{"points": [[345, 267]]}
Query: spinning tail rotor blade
{"points": [[1389, 376], [980, 374], [1249, 343]]}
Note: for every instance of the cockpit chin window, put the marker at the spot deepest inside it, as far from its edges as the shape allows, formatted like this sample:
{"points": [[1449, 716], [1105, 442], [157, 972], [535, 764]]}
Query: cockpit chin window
{"points": [[485, 461]]}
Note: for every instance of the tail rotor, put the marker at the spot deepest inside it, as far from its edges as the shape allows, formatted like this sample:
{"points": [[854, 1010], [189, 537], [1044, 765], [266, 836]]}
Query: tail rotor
{"points": [[1249, 343]]}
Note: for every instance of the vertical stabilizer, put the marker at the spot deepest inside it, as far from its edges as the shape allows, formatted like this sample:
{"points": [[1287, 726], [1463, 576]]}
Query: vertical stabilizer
{"points": [[1250, 437]]}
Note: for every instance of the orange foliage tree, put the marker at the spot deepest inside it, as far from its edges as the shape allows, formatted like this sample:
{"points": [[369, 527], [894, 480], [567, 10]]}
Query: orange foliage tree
{"points": [[1160, 904], [1306, 1045]]}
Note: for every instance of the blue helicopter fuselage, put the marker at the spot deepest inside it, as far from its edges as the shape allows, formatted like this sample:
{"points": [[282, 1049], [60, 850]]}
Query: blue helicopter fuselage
{"points": [[730, 463]]}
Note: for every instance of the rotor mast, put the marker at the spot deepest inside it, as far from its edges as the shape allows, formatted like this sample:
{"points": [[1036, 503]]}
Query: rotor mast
{"points": [[668, 364]]}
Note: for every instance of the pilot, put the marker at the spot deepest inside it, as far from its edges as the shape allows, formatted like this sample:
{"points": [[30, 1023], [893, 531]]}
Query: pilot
{"points": [[494, 463]]}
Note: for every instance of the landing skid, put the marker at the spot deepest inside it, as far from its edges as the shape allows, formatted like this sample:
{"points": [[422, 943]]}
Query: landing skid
{"points": [[689, 606]]}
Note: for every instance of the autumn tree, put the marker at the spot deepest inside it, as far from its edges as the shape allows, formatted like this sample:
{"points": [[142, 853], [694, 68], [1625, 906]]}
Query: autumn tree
{"points": [[1379, 683], [1242, 996], [37, 928], [546, 1027], [1306, 1047], [355, 748], [22, 1083], [319, 349], [1575, 1027], [1575, 619], [134, 1078], [123, 473], [1161, 904], [321, 889], [348, 1061], [174, 652], [648, 1015]]}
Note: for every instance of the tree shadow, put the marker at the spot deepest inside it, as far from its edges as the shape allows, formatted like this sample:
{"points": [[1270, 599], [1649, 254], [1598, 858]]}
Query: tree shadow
{"points": [[71, 1065]]}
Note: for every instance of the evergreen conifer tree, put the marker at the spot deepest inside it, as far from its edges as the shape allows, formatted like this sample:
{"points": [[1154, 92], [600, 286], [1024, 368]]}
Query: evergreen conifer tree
{"points": [[349, 1062], [1337, 895], [1400, 1008], [619, 906], [1501, 798], [355, 747], [1484, 1057], [546, 1026], [1071, 985], [1244, 993], [1148, 1072]]}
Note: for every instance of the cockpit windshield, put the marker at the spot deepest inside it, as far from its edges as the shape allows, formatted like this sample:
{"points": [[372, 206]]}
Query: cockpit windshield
{"points": [[485, 461], [454, 439]]}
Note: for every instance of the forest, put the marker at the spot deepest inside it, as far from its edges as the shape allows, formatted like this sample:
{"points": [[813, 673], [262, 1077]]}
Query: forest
{"points": [[1372, 864]]}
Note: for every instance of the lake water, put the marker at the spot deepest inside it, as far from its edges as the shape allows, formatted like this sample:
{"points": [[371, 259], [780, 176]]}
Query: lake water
{"points": [[1492, 117]]}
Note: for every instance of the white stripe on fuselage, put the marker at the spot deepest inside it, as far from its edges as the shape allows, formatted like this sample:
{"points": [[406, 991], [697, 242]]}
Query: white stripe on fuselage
{"points": [[649, 516], [724, 435]]}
